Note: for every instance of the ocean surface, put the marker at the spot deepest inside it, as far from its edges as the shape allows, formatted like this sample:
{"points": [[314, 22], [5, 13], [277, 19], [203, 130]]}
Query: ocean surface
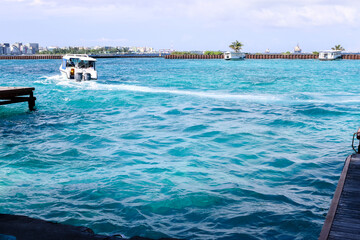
{"points": [[193, 149]]}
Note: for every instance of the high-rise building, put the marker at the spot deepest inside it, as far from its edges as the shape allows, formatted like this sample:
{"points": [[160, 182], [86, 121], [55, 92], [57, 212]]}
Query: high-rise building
{"points": [[6, 48], [15, 49], [35, 47], [32, 48], [18, 45]]}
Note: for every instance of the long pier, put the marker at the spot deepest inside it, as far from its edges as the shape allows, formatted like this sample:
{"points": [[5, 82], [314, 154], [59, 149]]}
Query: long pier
{"points": [[9, 95], [343, 218]]}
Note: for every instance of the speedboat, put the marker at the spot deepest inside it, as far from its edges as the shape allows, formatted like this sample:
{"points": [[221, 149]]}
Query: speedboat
{"points": [[330, 55], [234, 56], [79, 67]]}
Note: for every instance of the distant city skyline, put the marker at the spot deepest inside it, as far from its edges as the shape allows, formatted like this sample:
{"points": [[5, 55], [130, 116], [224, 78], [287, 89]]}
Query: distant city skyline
{"points": [[277, 25]]}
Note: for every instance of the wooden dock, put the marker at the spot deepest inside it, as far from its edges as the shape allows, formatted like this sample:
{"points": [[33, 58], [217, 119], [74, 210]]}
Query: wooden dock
{"points": [[343, 218], [10, 95]]}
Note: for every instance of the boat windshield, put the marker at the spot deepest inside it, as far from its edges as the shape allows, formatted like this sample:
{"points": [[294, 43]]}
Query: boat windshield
{"points": [[86, 64], [70, 63]]}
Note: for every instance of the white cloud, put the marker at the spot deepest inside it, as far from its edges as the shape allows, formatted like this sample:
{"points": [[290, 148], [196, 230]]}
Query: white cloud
{"points": [[184, 21], [315, 15], [276, 13]]}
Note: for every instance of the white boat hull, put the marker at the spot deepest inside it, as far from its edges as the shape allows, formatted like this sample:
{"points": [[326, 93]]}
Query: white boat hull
{"points": [[79, 67], [234, 56]]}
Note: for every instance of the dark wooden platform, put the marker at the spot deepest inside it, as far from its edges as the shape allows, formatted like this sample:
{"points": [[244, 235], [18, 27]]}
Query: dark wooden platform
{"points": [[10, 95], [25, 228], [343, 218]]}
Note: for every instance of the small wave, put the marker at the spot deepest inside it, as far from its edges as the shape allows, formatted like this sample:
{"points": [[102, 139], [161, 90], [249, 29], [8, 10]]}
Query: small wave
{"points": [[49, 79]]}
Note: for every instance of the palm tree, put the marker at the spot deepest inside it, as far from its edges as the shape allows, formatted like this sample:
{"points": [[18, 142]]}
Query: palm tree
{"points": [[338, 48], [236, 46]]}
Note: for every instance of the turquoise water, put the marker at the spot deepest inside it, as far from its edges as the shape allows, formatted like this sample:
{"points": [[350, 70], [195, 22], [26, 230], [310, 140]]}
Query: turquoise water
{"points": [[194, 149]]}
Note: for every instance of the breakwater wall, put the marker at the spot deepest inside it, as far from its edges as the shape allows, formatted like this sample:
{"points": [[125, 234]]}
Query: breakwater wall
{"points": [[262, 56], [351, 56], [126, 56], [4, 57], [281, 56], [194, 56], [248, 56], [57, 56]]}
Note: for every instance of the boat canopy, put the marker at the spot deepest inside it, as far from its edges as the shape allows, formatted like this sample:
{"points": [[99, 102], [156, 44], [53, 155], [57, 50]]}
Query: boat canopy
{"points": [[331, 51], [81, 57]]}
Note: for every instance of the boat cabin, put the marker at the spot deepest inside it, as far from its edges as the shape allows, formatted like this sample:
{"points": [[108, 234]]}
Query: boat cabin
{"points": [[330, 55], [79, 67], [234, 56]]}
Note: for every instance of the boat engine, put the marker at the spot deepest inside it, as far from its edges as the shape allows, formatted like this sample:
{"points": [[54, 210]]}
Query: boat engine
{"points": [[87, 76], [78, 76]]}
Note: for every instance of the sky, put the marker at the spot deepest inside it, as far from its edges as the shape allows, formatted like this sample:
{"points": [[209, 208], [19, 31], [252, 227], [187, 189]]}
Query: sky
{"points": [[278, 25]]}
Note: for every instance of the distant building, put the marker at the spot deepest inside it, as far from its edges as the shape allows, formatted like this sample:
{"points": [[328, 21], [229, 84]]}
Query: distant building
{"points": [[33, 46], [7, 50], [51, 48], [142, 49], [15, 49], [18, 45], [166, 51], [197, 52], [26, 49], [297, 49], [18, 48]]}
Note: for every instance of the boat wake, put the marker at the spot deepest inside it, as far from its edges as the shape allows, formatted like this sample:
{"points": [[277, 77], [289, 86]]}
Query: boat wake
{"points": [[95, 85], [289, 99], [204, 94]]}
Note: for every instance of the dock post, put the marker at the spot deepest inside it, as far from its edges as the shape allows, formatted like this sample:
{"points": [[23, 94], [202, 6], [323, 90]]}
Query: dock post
{"points": [[31, 101]]}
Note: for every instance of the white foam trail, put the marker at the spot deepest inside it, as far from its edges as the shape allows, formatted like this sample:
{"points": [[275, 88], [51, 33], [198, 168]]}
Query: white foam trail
{"points": [[49, 79], [93, 85], [136, 88]]}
